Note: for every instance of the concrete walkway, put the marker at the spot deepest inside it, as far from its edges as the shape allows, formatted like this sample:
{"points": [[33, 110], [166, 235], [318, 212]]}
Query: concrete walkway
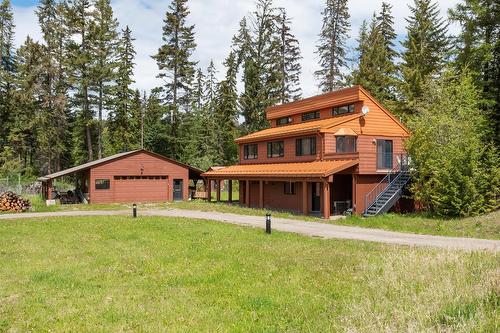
{"points": [[314, 229]]}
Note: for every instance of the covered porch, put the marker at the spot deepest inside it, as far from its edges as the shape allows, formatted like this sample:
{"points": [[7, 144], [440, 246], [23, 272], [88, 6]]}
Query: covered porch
{"points": [[322, 188]]}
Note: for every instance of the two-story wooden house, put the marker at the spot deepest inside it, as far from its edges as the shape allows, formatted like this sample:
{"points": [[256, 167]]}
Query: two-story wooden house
{"points": [[322, 154]]}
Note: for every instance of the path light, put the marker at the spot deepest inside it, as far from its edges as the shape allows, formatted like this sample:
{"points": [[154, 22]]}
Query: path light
{"points": [[134, 210], [268, 223]]}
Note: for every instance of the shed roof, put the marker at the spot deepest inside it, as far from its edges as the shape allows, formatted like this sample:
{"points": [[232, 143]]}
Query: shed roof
{"points": [[298, 129], [91, 164], [285, 170]]}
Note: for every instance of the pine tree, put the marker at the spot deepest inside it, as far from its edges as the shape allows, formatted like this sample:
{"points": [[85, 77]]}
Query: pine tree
{"points": [[425, 48], [28, 109], [78, 16], [122, 131], [7, 69], [104, 32], [385, 23], [289, 53], [376, 71], [227, 111], [54, 86], [331, 47], [477, 49], [176, 67]]}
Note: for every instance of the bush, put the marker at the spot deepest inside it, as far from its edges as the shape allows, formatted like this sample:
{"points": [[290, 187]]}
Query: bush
{"points": [[452, 151]]}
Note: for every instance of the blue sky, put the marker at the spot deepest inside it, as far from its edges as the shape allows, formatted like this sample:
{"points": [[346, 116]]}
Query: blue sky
{"points": [[216, 22]]}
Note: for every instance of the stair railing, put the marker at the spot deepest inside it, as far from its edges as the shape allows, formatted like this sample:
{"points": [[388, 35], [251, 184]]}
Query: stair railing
{"points": [[373, 196]]}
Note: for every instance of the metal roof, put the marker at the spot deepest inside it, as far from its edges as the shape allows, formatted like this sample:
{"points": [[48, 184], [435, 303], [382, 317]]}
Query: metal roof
{"points": [[285, 170], [107, 159]]}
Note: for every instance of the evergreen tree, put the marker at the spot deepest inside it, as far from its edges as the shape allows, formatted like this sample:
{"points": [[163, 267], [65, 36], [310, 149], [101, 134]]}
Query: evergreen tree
{"points": [[227, 111], [425, 48], [53, 143], [456, 163], [176, 67], [80, 47], [104, 32], [385, 23], [376, 71], [7, 69], [289, 54], [122, 131], [331, 47], [478, 50], [28, 110]]}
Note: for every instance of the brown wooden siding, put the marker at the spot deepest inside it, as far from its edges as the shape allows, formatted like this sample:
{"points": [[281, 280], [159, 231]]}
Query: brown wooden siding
{"points": [[137, 190]]}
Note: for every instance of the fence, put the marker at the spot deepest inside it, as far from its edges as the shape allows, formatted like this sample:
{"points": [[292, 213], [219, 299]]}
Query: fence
{"points": [[16, 185]]}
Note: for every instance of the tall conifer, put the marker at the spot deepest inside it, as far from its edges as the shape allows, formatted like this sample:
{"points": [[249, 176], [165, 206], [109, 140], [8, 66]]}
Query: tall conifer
{"points": [[331, 47]]}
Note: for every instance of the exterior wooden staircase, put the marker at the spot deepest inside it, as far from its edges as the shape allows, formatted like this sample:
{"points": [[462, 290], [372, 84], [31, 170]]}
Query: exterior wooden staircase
{"points": [[390, 189]]}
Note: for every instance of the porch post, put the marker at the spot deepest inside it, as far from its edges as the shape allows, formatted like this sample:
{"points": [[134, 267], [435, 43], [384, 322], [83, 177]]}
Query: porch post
{"points": [[326, 200], [49, 189], [304, 198], [208, 188], [219, 182], [230, 191], [261, 194], [247, 193]]}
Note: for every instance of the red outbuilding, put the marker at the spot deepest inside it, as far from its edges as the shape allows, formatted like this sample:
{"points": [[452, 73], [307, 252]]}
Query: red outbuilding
{"points": [[135, 176]]}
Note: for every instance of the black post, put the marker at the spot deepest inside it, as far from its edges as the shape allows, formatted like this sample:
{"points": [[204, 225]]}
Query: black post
{"points": [[268, 223], [134, 210]]}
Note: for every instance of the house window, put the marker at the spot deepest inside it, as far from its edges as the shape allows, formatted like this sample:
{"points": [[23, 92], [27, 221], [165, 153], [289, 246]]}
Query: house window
{"points": [[310, 115], [384, 154], [276, 149], [343, 109], [346, 144], [289, 188], [283, 121], [250, 151], [305, 146], [102, 184]]}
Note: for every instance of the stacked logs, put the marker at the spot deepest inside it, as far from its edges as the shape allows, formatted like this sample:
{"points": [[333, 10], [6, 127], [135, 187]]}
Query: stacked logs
{"points": [[11, 202]]}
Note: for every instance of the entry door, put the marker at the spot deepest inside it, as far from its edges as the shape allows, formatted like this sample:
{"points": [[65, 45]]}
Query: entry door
{"points": [[178, 189], [316, 189]]}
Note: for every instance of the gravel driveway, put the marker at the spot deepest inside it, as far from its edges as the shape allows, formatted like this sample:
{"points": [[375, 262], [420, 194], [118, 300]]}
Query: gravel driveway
{"points": [[314, 229]]}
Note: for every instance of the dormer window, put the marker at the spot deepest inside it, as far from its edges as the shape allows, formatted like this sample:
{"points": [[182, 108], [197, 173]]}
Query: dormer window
{"points": [[283, 121], [346, 144], [310, 115], [339, 110]]}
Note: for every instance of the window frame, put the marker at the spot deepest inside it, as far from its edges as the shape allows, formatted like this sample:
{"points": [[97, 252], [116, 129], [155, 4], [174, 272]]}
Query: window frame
{"points": [[246, 151], [288, 121], [312, 146], [351, 108], [383, 162], [104, 181], [343, 144], [305, 116], [289, 188], [281, 149]]}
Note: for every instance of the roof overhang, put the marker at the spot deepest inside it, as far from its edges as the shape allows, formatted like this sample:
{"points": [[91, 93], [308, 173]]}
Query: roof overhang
{"points": [[316, 169]]}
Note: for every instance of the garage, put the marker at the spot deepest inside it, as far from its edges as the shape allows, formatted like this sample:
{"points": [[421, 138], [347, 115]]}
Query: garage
{"points": [[138, 176]]}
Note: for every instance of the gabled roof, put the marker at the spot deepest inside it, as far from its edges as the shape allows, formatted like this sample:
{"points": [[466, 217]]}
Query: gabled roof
{"points": [[287, 170], [91, 164], [298, 129]]}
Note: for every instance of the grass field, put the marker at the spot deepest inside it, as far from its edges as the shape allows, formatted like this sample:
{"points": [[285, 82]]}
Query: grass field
{"points": [[486, 226], [157, 274]]}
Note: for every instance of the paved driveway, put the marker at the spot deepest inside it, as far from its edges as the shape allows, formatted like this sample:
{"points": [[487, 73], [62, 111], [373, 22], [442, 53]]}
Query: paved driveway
{"points": [[315, 229]]}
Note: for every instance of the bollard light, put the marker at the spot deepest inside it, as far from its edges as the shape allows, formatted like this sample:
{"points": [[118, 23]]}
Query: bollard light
{"points": [[134, 210], [268, 223]]}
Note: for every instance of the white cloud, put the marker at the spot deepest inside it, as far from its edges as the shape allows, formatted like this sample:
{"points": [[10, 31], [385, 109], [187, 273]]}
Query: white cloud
{"points": [[217, 21]]}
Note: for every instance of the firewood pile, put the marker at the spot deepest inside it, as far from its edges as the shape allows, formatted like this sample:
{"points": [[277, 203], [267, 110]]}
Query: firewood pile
{"points": [[11, 202]]}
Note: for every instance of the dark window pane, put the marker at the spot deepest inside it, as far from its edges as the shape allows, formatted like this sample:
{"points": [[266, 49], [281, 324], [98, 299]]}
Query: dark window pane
{"points": [[289, 188], [346, 144], [305, 146], [283, 121], [310, 115], [343, 109], [275, 149], [102, 184], [384, 154], [250, 151]]}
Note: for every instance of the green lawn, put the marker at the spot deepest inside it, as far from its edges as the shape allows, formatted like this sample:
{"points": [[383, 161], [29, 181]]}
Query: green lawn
{"points": [[486, 226], [165, 274]]}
